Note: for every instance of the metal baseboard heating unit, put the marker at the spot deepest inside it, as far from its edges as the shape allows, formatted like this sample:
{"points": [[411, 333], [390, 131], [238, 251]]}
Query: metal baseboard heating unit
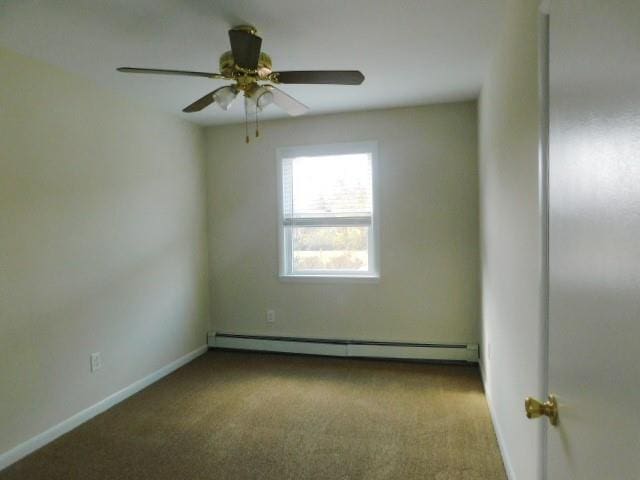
{"points": [[346, 348]]}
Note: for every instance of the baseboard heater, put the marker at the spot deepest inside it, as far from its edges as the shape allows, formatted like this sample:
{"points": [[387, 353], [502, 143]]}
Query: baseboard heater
{"points": [[346, 348]]}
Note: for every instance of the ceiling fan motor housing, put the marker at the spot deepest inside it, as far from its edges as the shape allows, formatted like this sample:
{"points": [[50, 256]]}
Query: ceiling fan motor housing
{"points": [[231, 70]]}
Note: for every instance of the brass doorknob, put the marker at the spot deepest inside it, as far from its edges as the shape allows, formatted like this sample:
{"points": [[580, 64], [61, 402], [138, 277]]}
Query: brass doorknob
{"points": [[535, 408]]}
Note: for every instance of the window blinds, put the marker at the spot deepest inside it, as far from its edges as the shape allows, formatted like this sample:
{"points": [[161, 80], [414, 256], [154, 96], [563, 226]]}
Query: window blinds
{"points": [[327, 190]]}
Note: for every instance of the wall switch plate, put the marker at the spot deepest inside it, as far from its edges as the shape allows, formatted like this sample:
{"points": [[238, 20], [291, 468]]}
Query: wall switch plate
{"points": [[95, 361], [271, 316]]}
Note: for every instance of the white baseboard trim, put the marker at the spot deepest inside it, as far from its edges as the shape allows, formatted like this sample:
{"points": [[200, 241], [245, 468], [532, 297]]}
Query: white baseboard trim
{"points": [[346, 348], [501, 444], [40, 440]]}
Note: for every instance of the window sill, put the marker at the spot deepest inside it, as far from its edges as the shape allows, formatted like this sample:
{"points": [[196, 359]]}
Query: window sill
{"points": [[330, 278]]}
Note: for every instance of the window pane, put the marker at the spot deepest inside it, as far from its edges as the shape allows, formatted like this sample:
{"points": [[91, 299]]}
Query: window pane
{"points": [[330, 248], [331, 185]]}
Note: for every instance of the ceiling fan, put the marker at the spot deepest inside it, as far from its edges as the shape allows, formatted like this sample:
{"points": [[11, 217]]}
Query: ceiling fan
{"points": [[249, 68]]}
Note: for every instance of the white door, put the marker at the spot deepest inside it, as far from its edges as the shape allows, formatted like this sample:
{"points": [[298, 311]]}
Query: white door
{"points": [[594, 239]]}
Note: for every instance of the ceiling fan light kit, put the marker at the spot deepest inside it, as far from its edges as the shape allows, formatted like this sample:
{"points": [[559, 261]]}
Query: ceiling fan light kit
{"points": [[249, 68]]}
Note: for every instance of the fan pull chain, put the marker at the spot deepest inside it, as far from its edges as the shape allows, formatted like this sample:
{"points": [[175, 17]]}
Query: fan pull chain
{"points": [[257, 128], [246, 121]]}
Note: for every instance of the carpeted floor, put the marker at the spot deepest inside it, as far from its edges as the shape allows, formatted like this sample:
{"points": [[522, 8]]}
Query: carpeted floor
{"points": [[230, 415]]}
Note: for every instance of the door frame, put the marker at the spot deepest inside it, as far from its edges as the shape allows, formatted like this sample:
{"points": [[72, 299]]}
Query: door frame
{"points": [[543, 208]]}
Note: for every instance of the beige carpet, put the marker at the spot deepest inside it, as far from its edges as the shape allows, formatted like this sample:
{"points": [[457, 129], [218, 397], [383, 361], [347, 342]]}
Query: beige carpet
{"points": [[231, 415]]}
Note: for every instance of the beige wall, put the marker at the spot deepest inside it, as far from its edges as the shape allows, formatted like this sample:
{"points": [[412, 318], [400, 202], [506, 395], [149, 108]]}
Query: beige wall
{"points": [[511, 238], [427, 175], [102, 244]]}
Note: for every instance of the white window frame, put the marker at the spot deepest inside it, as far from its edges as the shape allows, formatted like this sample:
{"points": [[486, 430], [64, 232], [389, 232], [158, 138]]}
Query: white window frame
{"points": [[285, 256]]}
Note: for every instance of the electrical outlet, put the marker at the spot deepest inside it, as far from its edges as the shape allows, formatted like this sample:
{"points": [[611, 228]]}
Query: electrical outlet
{"points": [[95, 361], [271, 316]]}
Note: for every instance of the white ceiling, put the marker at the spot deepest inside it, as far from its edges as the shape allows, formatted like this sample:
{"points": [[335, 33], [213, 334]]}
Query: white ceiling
{"points": [[411, 52]]}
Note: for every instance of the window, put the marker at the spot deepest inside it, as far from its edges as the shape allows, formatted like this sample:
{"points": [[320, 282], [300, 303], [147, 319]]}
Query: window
{"points": [[328, 214]]}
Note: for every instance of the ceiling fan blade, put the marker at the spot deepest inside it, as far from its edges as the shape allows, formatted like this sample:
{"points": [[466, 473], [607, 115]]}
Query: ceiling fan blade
{"points": [[245, 47], [200, 104], [332, 77], [286, 102], [205, 101], [169, 72]]}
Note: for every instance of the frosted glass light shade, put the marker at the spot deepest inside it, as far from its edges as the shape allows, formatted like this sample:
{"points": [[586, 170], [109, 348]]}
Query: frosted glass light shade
{"points": [[260, 96], [224, 97], [264, 99]]}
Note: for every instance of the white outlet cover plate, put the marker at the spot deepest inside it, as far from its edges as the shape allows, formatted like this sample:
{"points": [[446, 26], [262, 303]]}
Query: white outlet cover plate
{"points": [[96, 361]]}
